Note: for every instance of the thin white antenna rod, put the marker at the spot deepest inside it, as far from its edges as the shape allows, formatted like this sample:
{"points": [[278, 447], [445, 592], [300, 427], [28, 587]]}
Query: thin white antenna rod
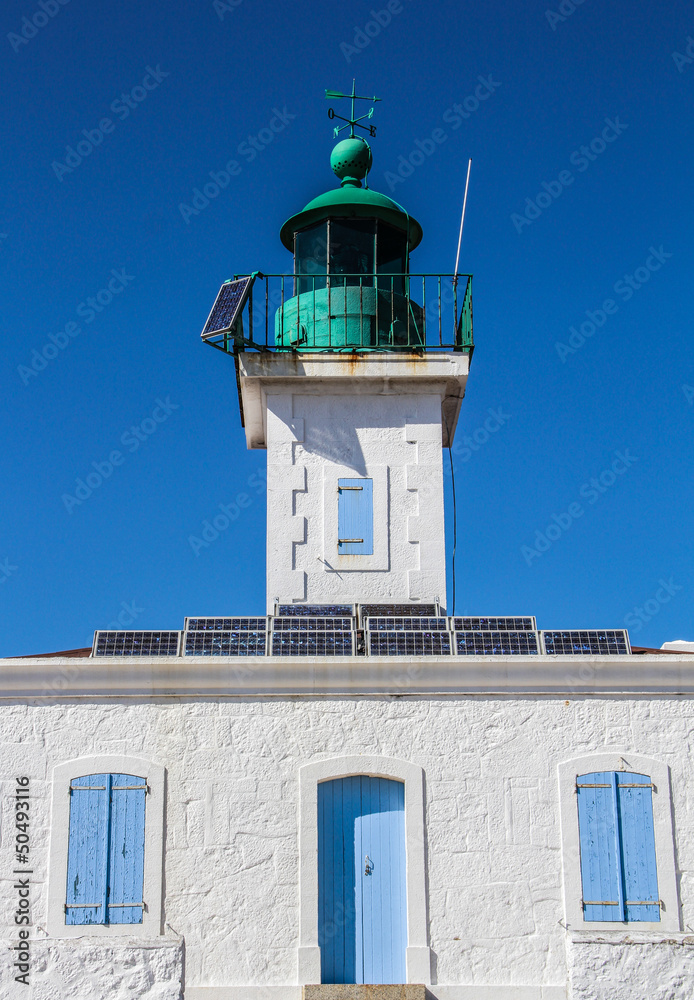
{"points": [[462, 220]]}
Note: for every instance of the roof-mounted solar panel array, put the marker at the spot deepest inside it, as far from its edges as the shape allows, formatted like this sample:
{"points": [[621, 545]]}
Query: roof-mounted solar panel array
{"points": [[506, 624], [408, 643], [304, 636], [406, 624], [314, 610], [397, 611], [136, 643], [497, 643], [588, 642], [225, 624], [373, 629], [225, 643]]}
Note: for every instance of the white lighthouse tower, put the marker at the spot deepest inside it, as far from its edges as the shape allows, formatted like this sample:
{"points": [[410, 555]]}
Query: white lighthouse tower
{"points": [[351, 371]]}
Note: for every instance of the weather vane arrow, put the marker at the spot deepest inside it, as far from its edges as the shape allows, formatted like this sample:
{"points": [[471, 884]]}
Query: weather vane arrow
{"points": [[352, 122]]}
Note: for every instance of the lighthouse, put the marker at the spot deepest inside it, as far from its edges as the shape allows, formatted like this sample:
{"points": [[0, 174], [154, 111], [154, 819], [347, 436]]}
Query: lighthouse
{"points": [[351, 369]]}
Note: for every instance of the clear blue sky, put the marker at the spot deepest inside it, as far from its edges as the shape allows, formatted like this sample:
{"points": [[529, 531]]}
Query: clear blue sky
{"points": [[213, 76]]}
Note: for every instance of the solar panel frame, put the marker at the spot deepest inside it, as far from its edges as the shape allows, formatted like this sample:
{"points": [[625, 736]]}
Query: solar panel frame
{"points": [[594, 642], [491, 623], [403, 624], [129, 642], [300, 624], [228, 306], [314, 611], [225, 643], [408, 643], [242, 623], [304, 643], [402, 610], [521, 642]]}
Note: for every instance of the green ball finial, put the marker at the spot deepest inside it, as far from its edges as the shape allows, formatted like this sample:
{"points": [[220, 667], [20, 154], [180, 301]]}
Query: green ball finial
{"points": [[351, 160]]}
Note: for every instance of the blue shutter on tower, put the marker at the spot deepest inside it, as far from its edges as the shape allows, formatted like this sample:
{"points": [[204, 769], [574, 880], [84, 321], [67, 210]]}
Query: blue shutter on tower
{"points": [[127, 849], [355, 517], [87, 863], [617, 842]]}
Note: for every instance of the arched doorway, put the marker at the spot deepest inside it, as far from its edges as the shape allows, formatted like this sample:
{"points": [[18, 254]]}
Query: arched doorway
{"points": [[362, 896]]}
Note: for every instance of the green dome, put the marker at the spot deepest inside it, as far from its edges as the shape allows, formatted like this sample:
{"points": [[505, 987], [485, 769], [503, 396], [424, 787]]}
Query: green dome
{"points": [[352, 202]]}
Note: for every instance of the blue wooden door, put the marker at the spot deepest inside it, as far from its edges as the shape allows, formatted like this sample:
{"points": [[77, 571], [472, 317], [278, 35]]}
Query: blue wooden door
{"points": [[362, 906]]}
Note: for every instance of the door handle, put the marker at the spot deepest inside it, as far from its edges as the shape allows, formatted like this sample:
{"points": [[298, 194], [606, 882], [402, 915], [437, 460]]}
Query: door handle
{"points": [[368, 865]]}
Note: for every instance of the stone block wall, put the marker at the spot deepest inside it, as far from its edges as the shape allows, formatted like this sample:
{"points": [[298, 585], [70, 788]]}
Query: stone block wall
{"points": [[493, 839]]}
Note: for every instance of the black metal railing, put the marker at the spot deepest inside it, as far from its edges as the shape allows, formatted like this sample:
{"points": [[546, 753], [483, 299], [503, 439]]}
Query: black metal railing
{"points": [[353, 312]]}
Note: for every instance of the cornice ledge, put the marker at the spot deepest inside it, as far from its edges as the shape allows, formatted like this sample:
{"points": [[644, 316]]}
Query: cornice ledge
{"points": [[142, 677]]}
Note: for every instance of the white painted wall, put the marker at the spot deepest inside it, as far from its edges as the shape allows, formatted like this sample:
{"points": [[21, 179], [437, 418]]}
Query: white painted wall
{"points": [[493, 839]]}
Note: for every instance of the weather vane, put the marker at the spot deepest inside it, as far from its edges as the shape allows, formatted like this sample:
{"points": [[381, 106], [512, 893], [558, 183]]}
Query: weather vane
{"points": [[351, 122]]}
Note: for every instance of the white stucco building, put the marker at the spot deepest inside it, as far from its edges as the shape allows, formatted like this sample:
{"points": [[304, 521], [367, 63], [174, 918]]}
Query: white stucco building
{"points": [[368, 798]]}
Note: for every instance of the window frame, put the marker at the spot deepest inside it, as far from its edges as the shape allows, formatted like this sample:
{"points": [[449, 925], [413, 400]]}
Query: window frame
{"points": [[659, 774], [63, 775]]}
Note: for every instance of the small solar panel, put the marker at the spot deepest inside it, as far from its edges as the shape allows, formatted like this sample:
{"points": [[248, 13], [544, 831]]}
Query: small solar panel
{"points": [[312, 624], [398, 611], [406, 624], [314, 610], [397, 643], [136, 643], [522, 643], [225, 624], [225, 643], [228, 306], [304, 643], [598, 642], [526, 623]]}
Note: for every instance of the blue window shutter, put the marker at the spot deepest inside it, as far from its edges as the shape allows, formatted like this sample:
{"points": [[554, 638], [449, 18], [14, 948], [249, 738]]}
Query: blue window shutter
{"points": [[599, 839], [127, 849], [618, 861], [638, 846], [88, 846], [355, 517]]}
